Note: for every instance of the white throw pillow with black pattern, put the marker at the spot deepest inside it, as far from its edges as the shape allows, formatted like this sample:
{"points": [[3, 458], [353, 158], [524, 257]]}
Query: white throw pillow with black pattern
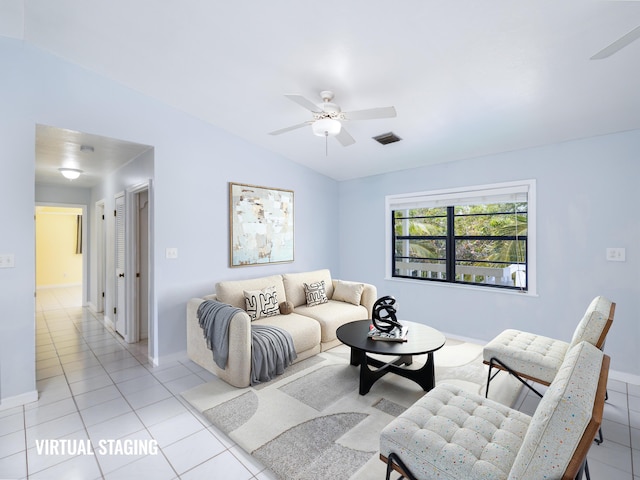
{"points": [[315, 293], [261, 303]]}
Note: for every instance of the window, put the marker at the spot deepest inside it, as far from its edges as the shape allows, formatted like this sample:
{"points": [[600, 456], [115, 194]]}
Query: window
{"points": [[480, 235]]}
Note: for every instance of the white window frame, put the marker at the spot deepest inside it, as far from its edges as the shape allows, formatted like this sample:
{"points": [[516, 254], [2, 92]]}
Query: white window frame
{"points": [[460, 195]]}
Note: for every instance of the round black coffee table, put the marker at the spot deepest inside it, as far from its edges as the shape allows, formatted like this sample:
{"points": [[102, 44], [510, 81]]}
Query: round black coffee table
{"points": [[420, 340]]}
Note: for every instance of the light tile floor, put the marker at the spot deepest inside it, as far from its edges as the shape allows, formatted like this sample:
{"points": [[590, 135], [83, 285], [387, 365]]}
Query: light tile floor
{"points": [[93, 387]]}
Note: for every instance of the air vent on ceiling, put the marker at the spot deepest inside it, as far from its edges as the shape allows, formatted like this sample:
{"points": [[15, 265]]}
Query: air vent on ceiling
{"points": [[387, 138]]}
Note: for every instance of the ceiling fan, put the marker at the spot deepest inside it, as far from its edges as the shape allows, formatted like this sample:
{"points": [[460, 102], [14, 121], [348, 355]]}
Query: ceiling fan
{"points": [[328, 117], [619, 44]]}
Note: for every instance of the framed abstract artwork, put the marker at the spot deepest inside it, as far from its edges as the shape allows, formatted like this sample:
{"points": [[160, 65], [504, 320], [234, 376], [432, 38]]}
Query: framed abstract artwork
{"points": [[260, 225]]}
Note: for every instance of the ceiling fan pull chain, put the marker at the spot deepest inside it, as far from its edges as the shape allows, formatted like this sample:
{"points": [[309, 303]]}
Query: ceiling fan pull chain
{"points": [[326, 144]]}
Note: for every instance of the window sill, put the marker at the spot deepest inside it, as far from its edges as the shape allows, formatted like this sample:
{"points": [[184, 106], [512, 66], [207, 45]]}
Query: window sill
{"points": [[477, 288]]}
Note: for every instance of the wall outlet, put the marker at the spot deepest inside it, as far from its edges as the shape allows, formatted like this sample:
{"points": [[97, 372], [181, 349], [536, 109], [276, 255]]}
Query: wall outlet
{"points": [[7, 260], [616, 254], [171, 253]]}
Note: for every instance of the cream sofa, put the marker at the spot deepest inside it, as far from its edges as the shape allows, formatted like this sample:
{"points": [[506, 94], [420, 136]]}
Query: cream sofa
{"points": [[313, 328]]}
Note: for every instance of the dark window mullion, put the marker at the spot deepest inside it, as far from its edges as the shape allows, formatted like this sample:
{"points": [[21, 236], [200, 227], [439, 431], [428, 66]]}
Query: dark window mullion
{"points": [[491, 238], [393, 242], [451, 245]]}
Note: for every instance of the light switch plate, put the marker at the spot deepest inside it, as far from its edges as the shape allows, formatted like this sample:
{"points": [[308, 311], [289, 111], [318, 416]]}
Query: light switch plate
{"points": [[616, 254], [171, 253]]}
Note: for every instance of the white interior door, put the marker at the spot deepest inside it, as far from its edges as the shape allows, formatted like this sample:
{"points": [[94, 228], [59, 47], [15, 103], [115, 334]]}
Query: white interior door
{"points": [[119, 301], [101, 260]]}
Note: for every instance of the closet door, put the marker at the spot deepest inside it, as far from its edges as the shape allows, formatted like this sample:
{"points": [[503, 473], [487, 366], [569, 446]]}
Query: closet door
{"points": [[119, 310]]}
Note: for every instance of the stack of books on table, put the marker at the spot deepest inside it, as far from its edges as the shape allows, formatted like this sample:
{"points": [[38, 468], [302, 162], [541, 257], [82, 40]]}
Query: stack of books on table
{"points": [[395, 335]]}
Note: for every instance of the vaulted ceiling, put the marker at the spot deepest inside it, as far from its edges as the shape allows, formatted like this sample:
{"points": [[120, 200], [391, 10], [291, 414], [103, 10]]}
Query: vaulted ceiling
{"points": [[467, 78]]}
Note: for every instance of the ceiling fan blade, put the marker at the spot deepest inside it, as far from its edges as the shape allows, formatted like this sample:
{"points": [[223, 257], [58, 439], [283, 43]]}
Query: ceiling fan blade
{"points": [[303, 102], [345, 138], [618, 44], [288, 129], [371, 113]]}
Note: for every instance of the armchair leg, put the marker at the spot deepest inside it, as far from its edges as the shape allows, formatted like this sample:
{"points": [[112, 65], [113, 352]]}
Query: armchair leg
{"points": [[599, 439], [504, 366], [584, 470], [394, 458]]}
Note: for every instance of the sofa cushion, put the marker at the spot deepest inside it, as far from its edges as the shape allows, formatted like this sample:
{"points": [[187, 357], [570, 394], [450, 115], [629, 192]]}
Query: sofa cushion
{"points": [[305, 331], [531, 355], [593, 326], [350, 292], [562, 416], [261, 303], [315, 293], [232, 292], [332, 315], [293, 285], [454, 434]]}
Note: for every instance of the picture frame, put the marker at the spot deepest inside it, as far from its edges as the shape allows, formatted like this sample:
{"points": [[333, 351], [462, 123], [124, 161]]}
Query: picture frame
{"points": [[261, 225]]}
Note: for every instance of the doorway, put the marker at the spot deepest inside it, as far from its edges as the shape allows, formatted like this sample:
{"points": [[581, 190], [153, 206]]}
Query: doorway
{"points": [[137, 256], [61, 262]]}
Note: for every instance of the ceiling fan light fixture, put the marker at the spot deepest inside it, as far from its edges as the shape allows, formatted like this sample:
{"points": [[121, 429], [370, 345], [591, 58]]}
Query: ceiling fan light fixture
{"points": [[326, 127], [70, 173]]}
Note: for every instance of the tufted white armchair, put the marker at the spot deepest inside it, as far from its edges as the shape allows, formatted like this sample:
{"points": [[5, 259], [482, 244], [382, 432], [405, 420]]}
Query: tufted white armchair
{"points": [[451, 434], [538, 358]]}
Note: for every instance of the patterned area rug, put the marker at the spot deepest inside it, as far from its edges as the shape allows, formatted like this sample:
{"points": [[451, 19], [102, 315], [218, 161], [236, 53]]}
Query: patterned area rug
{"points": [[312, 424]]}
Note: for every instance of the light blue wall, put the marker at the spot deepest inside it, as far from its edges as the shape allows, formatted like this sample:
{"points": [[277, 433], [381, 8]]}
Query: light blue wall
{"points": [[192, 165], [587, 201]]}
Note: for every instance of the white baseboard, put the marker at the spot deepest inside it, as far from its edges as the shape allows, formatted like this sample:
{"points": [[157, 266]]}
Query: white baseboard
{"points": [[59, 285], [174, 357], [152, 361], [18, 400], [109, 323], [463, 339], [624, 377]]}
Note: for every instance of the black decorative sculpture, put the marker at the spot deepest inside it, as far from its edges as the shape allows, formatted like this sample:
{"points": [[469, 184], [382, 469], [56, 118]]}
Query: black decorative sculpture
{"points": [[383, 314]]}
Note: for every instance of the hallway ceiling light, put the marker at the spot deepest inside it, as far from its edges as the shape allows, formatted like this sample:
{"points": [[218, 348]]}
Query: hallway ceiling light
{"points": [[70, 173]]}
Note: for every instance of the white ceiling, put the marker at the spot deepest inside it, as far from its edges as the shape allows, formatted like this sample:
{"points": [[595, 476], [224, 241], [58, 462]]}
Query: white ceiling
{"points": [[467, 77]]}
